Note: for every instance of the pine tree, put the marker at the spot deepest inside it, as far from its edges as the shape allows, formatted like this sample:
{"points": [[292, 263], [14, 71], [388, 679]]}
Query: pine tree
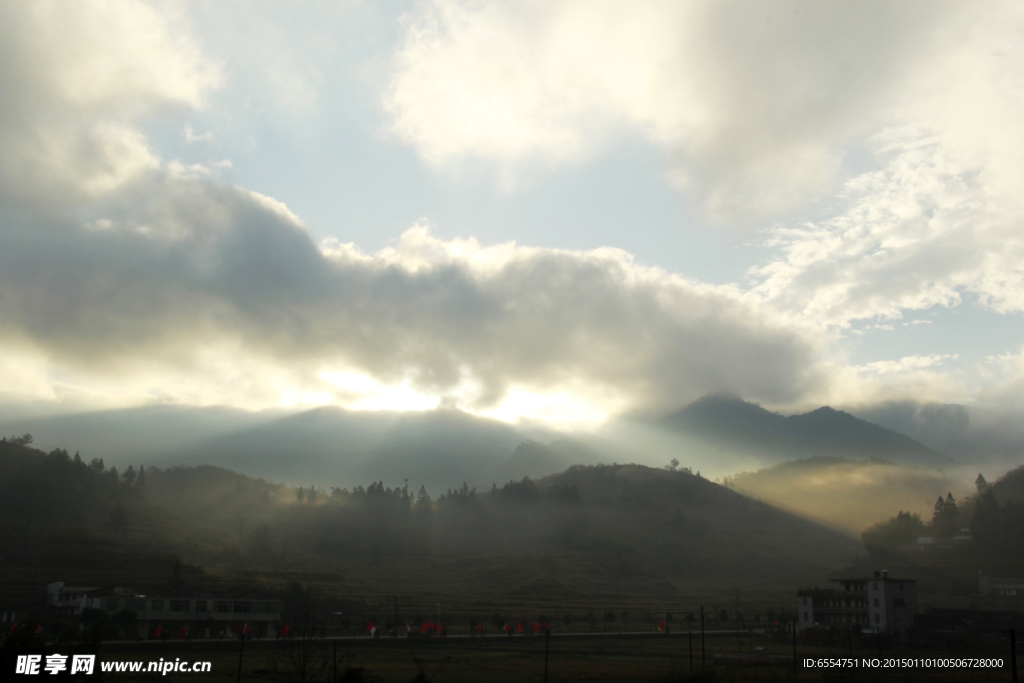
{"points": [[946, 516]]}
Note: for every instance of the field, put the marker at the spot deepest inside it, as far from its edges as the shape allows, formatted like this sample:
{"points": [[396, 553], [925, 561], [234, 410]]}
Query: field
{"points": [[727, 656]]}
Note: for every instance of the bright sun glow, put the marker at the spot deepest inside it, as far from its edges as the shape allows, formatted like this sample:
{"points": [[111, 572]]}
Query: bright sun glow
{"points": [[356, 391], [556, 407]]}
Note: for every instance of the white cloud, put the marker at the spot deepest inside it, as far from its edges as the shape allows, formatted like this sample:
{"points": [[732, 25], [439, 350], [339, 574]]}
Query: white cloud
{"points": [[222, 268], [940, 219], [923, 232], [757, 105], [176, 168], [918, 378], [191, 136], [905, 364], [78, 79], [164, 283]]}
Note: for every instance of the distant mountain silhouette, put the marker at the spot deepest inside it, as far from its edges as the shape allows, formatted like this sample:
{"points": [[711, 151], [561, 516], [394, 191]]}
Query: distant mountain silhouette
{"points": [[332, 446], [328, 445], [535, 460], [728, 420]]}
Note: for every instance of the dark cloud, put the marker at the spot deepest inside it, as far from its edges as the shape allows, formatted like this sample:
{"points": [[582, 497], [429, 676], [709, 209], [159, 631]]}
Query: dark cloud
{"points": [[182, 261]]}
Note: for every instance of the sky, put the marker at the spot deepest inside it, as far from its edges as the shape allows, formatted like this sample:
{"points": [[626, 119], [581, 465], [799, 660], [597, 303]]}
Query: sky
{"points": [[557, 211]]}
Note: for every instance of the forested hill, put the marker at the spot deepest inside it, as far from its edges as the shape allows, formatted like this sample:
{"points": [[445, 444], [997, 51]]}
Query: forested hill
{"points": [[731, 422], [682, 521], [1009, 488], [54, 491], [605, 522]]}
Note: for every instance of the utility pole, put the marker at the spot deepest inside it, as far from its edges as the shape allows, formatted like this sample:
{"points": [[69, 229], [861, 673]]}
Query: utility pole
{"points": [[547, 637], [739, 640], [396, 617], [795, 624], [438, 617], [703, 659], [241, 650]]}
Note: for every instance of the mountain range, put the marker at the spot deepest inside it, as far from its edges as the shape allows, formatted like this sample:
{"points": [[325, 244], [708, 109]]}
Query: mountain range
{"points": [[726, 421], [444, 448]]}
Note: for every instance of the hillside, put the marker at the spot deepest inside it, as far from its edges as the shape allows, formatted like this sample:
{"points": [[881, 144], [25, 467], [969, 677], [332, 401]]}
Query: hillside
{"points": [[847, 494], [1009, 488], [730, 422], [689, 526], [595, 528], [533, 459]]}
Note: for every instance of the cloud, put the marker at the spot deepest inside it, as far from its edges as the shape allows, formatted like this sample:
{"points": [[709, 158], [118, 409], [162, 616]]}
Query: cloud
{"points": [[77, 81], [905, 364], [757, 108], [126, 279], [922, 232], [191, 136], [203, 275], [938, 223]]}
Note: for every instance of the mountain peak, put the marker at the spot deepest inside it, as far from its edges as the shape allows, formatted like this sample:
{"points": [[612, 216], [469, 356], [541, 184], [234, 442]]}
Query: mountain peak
{"points": [[729, 420]]}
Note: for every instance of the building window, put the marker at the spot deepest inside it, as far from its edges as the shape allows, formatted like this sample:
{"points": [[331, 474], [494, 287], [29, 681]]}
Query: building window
{"points": [[201, 606], [877, 619], [157, 605], [112, 604], [179, 605], [220, 606], [243, 607], [876, 602], [805, 616]]}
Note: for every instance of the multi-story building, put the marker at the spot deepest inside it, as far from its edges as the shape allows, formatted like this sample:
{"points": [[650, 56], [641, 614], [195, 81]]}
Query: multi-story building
{"points": [[159, 617], [878, 603], [71, 600]]}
